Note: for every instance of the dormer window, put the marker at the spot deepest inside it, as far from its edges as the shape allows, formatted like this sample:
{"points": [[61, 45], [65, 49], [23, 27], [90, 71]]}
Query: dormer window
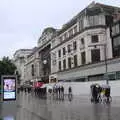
{"points": [[65, 36], [60, 39], [75, 29], [70, 32]]}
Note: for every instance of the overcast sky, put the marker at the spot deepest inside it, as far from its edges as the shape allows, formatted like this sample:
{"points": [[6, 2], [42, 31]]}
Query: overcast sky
{"points": [[22, 21]]}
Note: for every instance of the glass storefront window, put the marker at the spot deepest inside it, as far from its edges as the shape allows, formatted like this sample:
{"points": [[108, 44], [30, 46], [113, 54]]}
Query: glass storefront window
{"points": [[118, 75], [111, 76]]}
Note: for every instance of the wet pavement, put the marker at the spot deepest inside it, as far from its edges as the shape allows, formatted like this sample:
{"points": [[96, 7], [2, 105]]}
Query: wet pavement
{"points": [[29, 107]]}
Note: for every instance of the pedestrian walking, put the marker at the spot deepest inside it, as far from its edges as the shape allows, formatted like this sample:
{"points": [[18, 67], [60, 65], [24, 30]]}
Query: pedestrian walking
{"points": [[59, 91], [70, 93], [62, 92], [56, 89]]}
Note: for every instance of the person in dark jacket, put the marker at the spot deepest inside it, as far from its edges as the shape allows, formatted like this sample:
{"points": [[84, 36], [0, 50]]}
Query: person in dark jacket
{"points": [[62, 92], [70, 93], [59, 91]]}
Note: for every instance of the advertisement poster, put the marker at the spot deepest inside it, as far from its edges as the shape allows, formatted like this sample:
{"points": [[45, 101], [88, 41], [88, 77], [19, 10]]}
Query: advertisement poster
{"points": [[9, 88]]}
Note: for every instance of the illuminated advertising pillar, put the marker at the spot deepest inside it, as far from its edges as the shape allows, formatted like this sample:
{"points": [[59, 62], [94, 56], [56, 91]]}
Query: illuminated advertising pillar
{"points": [[9, 87]]}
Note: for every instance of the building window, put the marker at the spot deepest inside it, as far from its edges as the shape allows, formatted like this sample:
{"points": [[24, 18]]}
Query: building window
{"points": [[64, 51], [64, 64], [74, 45], [116, 47], [79, 80], [93, 20], [75, 61], [75, 29], [60, 39], [70, 32], [69, 62], [81, 24], [118, 75], [83, 58], [111, 76], [69, 48], [94, 38], [115, 29], [65, 36], [59, 65], [82, 41], [95, 55], [116, 41], [33, 70], [59, 53]]}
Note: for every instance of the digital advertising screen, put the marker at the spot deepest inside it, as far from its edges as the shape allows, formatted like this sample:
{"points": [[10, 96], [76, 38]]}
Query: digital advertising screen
{"points": [[9, 88]]}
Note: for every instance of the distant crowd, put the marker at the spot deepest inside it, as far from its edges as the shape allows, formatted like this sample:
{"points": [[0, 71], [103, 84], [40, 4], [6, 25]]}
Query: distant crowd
{"points": [[56, 92]]}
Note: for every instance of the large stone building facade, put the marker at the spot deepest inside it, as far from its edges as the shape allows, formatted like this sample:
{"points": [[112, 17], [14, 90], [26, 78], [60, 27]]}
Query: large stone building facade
{"points": [[20, 58], [38, 64], [84, 49]]}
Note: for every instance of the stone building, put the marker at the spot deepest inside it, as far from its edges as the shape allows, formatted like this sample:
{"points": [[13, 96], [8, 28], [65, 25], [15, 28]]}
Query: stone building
{"points": [[20, 58], [82, 49], [38, 65], [85, 49]]}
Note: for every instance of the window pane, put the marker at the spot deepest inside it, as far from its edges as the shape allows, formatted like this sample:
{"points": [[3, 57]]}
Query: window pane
{"points": [[75, 61], [96, 20], [80, 80], [111, 76], [116, 47], [115, 29], [118, 75], [74, 45], [59, 53], [69, 62], [94, 38], [69, 48], [32, 71], [64, 52], [116, 41], [81, 24], [75, 29], [70, 32], [59, 65], [95, 55], [83, 58], [65, 36], [91, 20], [64, 64], [82, 41]]}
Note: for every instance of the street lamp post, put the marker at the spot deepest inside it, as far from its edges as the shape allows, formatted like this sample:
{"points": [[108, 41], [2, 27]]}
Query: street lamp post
{"points": [[106, 68], [105, 57]]}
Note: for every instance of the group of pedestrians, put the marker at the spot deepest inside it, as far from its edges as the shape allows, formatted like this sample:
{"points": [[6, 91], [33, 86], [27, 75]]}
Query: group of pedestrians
{"points": [[58, 92], [95, 90], [41, 92], [25, 89], [100, 93]]}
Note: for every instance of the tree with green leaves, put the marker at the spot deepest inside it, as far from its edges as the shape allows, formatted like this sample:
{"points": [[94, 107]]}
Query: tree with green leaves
{"points": [[7, 67]]}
